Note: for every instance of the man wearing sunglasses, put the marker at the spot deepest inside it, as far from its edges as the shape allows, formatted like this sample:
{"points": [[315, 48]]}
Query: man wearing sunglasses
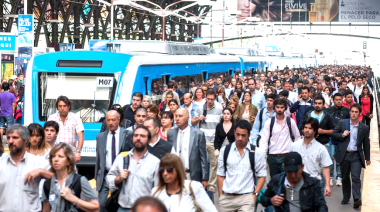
{"points": [[143, 167]]}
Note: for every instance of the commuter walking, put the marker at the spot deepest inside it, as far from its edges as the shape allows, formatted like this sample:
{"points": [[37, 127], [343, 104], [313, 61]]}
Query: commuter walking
{"points": [[66, 190], [314, 154], [208, 118], [140, 177], [189, 105], [129, 109], [353, 153], [51, 130], [37, 144], [224, 133], [301, 104], [70, 126], [278, 134], [8, 107], [178, 193], [190, 145], [294, 189], [21, 173], [240, 165], [157, 146], [366, 103], [257, 98], [108, 145], [246, 110]]}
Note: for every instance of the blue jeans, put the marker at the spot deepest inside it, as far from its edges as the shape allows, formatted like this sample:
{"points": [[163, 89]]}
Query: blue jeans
{"points": [[276, 164], [122, 210], [9, 119], [332, 151]]}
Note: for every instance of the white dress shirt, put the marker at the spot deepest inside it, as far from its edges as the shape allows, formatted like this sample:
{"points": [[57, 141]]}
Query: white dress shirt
{"points": [[109, 147], [185, 145], [315, 157]]}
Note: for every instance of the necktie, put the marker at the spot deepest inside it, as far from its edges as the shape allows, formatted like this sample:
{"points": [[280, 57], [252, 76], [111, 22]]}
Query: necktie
{"points": [[113, 146], [181, 154]]}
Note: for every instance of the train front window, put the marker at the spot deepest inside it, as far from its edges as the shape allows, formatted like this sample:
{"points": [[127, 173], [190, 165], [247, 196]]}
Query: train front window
{"points": [[91, 95]]}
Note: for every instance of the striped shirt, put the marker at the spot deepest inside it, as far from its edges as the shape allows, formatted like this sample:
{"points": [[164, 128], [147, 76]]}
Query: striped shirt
{"points": [[239, 176], [141, 180], [212, 119]]}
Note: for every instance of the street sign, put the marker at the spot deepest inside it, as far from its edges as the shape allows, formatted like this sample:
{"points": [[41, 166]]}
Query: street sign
{"points": [[7, 43]]}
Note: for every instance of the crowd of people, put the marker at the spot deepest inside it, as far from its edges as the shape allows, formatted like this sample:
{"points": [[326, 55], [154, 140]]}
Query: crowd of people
{"points": [[280, 139]]}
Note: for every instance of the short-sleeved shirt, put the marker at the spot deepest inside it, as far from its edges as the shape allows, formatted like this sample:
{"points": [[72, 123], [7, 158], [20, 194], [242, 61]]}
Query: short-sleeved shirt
{"points": [[314, 157], [6, 101], [212, 120], [87, 194], [14, 194], [68, 131]]}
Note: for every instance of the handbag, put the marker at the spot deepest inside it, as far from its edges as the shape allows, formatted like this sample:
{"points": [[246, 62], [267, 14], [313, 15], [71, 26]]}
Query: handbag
{"points": [[196, 206]]}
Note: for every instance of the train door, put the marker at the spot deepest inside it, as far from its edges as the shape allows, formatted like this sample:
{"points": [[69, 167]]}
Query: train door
{"points": [[146, 78]]}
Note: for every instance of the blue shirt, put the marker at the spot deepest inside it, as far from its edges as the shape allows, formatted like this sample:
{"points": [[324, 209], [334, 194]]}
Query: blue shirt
{"points": [[318, 117], [352, 146], [256, 125], [257, 99]]}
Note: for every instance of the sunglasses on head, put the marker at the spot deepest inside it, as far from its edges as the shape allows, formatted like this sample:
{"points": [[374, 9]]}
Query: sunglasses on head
{"points": [[168, 169]]}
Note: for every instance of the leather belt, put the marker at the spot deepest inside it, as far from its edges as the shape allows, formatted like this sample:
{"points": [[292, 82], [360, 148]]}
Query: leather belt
{"points": [[234, 194], [351, 151], [278, 155]]}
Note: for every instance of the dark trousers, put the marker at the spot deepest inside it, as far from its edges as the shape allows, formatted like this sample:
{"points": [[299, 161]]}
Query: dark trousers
{"points": [[351, 164], [102, 195], [276, 164], [367, 121]]}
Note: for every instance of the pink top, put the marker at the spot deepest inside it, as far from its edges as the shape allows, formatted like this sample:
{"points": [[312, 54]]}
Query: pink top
{"points": [[366, 105], [68, 131]]}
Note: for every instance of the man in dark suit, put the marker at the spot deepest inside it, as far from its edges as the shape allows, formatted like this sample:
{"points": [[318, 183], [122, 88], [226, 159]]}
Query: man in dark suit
{"points": [[157, 146], [190, 145], [108, 145], [354, 141]]}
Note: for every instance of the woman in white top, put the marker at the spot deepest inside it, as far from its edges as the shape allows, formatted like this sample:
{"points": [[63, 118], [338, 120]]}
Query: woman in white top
{"points": [[146, 101], [179, 194], [37, 144], [198, 97]]}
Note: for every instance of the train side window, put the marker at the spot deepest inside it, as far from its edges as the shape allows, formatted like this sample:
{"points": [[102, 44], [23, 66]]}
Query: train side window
{"points": [[195, 81], [182, 86], [146, 84], [156, 89], [215, 75]]}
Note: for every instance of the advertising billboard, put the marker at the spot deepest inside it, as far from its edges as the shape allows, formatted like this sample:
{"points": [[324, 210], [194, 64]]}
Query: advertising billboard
{"points": [[309, 10], [7, 43], [25, 36]]}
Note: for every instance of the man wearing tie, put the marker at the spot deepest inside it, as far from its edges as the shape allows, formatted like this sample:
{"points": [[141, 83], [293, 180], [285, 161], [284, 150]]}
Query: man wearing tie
{"points": [[108, 145], [190, 145], [353, 153]]}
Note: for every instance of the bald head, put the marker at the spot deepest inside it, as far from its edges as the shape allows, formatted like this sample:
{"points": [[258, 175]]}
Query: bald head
{"points": [[112, 120], [187, 99], [182, 118]]}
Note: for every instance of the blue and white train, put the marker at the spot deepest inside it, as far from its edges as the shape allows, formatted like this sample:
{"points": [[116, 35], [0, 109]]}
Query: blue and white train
{"points": [[95, 80]]}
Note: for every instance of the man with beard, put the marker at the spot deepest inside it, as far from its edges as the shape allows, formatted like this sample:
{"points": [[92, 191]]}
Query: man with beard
{"points": [[143, 168], [21, 173], [278, 134], [70, 126]]}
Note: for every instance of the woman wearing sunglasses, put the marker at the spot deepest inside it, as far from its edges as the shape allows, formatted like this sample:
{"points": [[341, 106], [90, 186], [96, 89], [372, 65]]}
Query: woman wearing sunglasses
{"points": [[177, 193]]}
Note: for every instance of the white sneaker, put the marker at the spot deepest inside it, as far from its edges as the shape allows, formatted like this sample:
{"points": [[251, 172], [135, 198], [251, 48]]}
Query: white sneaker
{"points": [[331, 181], [339, 181]]}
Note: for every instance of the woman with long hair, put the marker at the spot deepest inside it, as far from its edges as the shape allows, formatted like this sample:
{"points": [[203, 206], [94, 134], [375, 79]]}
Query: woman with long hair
{"points": [[58, 195], [198, 97], [246, 110], [167, 123], [152, 112], [146, 101], [327, 96], [366, 102], [37, 144], [222, 95], [224, 133], [164, 106], [177, 193], [238, 86], [233, 105]]}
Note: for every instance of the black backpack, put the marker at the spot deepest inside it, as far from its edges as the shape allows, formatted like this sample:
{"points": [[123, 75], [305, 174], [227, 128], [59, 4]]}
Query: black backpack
{"points": [[261, 121], [251, 158], [288, 122], [112, 203], [76, 186]]}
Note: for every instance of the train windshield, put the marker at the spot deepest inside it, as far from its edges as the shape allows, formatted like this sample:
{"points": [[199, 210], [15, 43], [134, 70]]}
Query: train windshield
{"points": [[91, 95]]}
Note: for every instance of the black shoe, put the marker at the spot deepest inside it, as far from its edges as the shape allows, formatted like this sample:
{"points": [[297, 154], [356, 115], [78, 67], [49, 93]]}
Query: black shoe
{"points": [[357, 203], [345, 201]]}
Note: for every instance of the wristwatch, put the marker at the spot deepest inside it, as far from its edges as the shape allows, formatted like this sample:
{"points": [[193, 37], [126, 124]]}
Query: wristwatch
{"points": [[79, 151], [257, 194]]}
